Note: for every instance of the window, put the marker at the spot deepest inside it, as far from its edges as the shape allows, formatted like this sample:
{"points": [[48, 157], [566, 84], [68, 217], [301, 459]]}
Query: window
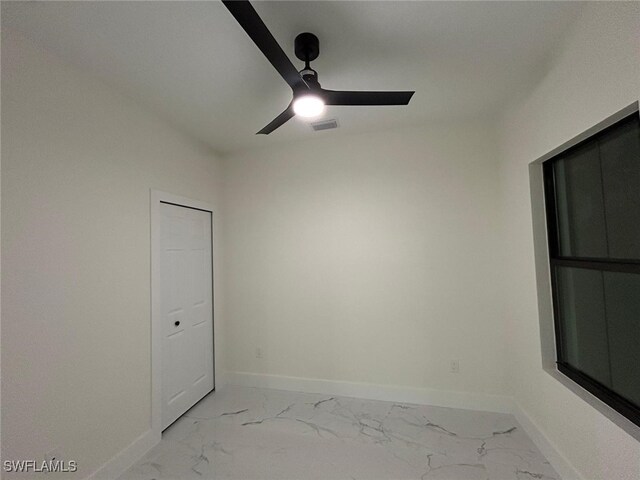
{"points": [[592, 197]]}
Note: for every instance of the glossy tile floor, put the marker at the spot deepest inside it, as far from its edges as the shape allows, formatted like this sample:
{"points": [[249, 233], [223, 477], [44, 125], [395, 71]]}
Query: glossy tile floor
{"points": [[254, 433]]}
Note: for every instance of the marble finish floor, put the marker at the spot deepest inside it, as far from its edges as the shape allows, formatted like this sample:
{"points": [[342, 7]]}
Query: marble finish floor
{"points": [[255, 433]]}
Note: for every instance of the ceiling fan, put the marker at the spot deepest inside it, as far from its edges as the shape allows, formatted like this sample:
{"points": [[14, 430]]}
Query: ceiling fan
{"points": [[309, 98]]}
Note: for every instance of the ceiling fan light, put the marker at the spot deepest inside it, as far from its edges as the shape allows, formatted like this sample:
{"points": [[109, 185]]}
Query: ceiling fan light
{"points": [[308, 106]]}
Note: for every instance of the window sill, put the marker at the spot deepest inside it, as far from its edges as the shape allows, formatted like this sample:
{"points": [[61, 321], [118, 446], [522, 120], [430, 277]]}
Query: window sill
{"points": [[621, 421]]}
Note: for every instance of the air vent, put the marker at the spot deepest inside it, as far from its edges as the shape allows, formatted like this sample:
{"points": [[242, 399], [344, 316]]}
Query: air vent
{"points": [[325, 125]]}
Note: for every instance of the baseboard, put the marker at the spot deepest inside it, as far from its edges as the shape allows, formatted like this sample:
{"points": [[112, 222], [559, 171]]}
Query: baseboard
{"points": [[221, 379], [124, 460], [423, 396], [557, 461]]}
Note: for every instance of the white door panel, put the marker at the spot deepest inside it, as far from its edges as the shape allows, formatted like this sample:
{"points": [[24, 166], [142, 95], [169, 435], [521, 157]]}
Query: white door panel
{"points": [[187, 320]]}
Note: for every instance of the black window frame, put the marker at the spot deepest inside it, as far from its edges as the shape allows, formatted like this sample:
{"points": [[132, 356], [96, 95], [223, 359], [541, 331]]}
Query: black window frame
{"points": [[620, 404]]}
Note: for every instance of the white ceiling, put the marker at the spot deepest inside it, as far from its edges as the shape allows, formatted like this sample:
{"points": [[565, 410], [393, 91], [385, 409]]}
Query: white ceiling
{"points": [[192, 64]]}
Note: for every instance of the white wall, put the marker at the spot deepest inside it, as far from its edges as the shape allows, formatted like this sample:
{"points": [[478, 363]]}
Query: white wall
{"points": [[367, 258], [595, 73], [78, 161]]}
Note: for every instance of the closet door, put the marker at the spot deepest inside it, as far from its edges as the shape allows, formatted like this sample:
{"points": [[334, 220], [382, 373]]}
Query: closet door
{"points": [[187, 309]]}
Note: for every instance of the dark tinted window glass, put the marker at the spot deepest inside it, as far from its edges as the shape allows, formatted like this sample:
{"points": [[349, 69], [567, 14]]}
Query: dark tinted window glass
{"points": [[593, 219], [622, 293], [580, 204], [582, 315], [620, 159]]}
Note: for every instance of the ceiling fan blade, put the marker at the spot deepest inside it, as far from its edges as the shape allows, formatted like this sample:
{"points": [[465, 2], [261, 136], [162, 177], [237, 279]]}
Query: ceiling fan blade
{"points": [[336, 97], [251, 22], [280, 120]]}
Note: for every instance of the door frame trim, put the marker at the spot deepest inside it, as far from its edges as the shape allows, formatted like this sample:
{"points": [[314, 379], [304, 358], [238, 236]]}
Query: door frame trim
{"points": [[158, 197]]}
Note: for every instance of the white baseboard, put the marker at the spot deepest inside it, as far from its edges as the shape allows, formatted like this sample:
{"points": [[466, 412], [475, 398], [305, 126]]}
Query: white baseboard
{"points": [[221, 379], [557, 461], [438, 398], [124, 460]]}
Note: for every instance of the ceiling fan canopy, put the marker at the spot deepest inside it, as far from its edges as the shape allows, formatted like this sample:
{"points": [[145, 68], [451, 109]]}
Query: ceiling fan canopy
{"points": [[304, 83]]}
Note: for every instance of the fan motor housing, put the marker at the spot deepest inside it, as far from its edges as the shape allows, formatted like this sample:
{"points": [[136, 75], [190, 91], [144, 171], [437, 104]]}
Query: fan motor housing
{"points": [[307, 47]]}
